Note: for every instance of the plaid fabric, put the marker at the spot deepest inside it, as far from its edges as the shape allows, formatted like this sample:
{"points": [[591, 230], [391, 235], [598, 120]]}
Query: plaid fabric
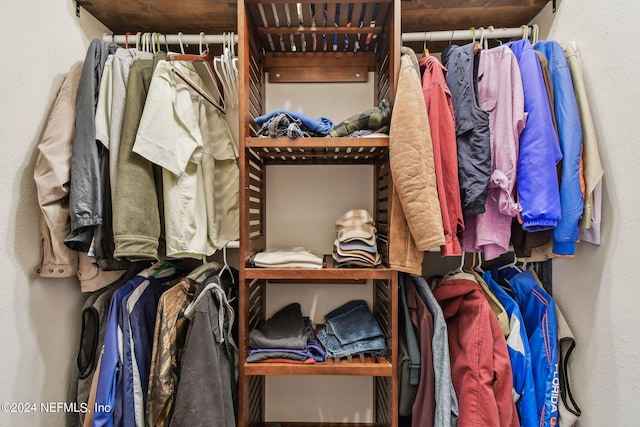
{"points": [[373, 119]]}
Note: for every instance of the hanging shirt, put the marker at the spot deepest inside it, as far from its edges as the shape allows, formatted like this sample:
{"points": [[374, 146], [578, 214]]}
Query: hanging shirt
{"points": [[500, 93], [538, 190], [188, 137]]}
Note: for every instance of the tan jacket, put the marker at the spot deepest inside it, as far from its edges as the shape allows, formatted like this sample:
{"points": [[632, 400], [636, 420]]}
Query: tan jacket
{"points": [[51, 175], [416, 220]]}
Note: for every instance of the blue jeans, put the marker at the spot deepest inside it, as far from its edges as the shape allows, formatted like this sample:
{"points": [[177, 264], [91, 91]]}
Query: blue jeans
{"points": [[351, 329]]}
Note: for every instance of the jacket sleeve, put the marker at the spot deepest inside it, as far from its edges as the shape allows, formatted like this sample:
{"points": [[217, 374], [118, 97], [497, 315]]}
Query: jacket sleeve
{"points": [[411, 159], [566, 234]]}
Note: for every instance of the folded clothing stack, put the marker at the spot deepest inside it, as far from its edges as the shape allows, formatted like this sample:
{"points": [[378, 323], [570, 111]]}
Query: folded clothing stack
{"points": [[285, 337], [290, 124], [297, 257], [356, 245], [351, 329]]}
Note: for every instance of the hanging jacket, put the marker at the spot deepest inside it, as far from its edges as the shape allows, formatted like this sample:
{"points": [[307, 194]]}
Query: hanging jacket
{"points": [[538, 190], [500, 93], [472, 127], [437, 97], [446, 410], [539, 316], [415, 219], [566, 233], [593, 172], [85, 193], [136, 213], [480, 367], [520, 356], [52, 176]]}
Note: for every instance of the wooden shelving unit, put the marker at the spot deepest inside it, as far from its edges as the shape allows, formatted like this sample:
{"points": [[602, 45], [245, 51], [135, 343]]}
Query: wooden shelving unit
{"points": [[304, 48]]}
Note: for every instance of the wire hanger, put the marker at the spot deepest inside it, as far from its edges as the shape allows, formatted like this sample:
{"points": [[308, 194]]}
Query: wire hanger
{"points": [[425, 49], [225, 266]]}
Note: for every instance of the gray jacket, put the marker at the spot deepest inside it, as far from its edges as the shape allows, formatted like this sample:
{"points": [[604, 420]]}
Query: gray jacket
{"points": [[447, 402], [85, 193]]}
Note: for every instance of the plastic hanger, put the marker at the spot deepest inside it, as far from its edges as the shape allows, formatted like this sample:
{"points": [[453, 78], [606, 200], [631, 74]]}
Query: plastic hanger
{"points": [[477, 47], [180, 42], [166, 264], [478, 267], [513, 264], [225, 266], [126, 39]]}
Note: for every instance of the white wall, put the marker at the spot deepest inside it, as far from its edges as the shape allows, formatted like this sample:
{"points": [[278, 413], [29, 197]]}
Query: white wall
{"points": [[598, 290], [38, 335]]}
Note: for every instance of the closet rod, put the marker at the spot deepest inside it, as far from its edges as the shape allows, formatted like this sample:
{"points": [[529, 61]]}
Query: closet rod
{"points": [[449, 35], [172, 39]]}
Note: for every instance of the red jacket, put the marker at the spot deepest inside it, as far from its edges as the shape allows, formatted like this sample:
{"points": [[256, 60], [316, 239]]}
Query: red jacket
{"points": [[480, 367], [443, 135]]}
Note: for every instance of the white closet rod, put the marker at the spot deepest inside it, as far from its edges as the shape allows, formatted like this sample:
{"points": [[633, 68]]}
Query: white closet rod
{"points": [[488, 33], [172, 39]]}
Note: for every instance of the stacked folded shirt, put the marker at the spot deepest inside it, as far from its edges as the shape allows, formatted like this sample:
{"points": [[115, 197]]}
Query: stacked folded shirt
{"points": [[356, 245], [297, 257], [285, 337]]}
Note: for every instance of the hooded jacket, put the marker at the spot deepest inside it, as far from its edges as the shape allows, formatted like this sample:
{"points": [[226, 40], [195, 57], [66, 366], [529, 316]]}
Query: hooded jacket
{"points": [[416, 219], [480, 366]]}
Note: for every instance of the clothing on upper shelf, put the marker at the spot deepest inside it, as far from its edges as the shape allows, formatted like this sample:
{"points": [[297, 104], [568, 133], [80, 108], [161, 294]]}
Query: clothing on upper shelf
{"points": [[313, 127], [372, 119], [297, 257]]}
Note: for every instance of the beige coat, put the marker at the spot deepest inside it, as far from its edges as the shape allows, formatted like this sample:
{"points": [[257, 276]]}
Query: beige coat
{"points": [[51, 175], [416, 219]]}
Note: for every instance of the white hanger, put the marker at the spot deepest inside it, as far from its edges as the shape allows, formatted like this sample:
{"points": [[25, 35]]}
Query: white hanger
{"points": [[180, 42]]}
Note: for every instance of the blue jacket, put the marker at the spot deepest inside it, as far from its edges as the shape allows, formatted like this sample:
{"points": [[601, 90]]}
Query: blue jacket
{"points": [[566, 234], [110, 375], [538, 190], [539, 316], [520, 356]]}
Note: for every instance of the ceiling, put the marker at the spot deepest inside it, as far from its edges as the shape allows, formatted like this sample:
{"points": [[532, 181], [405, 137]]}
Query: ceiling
{"points": [[218, 16]]}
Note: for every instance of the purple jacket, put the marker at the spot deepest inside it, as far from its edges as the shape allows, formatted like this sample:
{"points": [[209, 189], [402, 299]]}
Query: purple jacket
{"points": [[538, 191]]}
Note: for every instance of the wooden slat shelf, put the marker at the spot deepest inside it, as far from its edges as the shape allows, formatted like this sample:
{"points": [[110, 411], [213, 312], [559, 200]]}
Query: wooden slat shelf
{"points": [[334, 150], [327, 272], [374, 366], [318, 424]]}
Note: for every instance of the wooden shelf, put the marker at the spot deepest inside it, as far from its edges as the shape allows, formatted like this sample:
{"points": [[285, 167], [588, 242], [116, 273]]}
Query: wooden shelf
{"points": [[319, 150], [374, 366], [318, 424]]}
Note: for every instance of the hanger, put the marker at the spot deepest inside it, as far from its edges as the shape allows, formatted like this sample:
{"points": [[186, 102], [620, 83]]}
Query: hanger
{"points": [[460, 268], [478, 267], [483, 42], [166, 264], [206, 58], [225, 266], [477, 47], [451, 39], [512, 264], [166, 45], [126, 39], [180, 41], [425, 50], [525, 31], [535, 33]]}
